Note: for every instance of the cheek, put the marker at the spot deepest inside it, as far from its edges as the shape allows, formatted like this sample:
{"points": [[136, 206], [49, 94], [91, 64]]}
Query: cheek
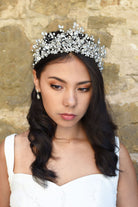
{"points": [[88, 98], [84, 104], [47, 99], [50, 100], [48, 104]]}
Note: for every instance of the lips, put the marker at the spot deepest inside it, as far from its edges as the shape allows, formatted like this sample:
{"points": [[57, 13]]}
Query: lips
{"points": [[68, 117]]}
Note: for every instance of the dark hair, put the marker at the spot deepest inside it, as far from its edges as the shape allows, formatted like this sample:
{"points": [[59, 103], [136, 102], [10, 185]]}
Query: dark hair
{"points": [[97, 123]]}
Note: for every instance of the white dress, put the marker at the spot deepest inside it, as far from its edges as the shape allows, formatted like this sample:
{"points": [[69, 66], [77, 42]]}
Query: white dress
{"points": [[95, 190]]}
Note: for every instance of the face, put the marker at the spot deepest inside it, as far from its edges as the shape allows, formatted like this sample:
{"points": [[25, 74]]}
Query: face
{"points": [[66, 91]]}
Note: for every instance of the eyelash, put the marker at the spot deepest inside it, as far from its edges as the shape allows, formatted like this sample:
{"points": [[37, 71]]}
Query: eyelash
{"points": [[58, 87], [84, 90]]}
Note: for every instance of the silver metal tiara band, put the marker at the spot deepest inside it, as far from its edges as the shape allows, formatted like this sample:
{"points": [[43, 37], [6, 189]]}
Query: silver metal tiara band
{"points": [[72, 40]]}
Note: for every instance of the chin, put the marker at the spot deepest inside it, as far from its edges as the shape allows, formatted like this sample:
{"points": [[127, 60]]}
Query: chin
{"points": [[68, 124]]}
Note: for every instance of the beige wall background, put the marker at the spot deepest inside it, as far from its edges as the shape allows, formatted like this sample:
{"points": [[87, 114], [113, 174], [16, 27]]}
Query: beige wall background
{"points": [[114, 21]]}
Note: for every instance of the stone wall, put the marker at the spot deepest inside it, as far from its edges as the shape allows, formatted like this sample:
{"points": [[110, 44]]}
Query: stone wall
{"points": [[114, 21]]}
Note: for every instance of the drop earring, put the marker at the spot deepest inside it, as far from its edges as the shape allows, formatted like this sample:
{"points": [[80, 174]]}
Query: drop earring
{"points": [[37, 95]]}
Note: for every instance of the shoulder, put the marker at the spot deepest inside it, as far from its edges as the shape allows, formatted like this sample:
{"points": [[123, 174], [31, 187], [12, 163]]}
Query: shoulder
{"points": [[123, 152], [7, 142], [2, 156], [23, 156], [125, 163], [3, 165], [124, 159], [127, 186], [4, 184], [21, 144], [21, 140]]}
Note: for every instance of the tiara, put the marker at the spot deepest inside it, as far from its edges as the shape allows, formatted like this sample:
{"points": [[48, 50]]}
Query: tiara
{"points": [[72, 40]]}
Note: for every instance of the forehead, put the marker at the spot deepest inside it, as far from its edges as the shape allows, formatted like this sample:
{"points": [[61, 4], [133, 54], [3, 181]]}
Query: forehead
{"points": [[67, 69]]}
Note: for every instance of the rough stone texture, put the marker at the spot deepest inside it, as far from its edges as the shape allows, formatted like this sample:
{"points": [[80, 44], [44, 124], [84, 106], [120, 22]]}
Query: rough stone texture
{"points": [[98, 22], [15, 67], [109, 2], [105, 37], [6, 128], [57, 7], [13, 121], [113, 21], [126, 117], [136, 168], [53, 25], [8, 3], [134, 157], [128, 3], [111, 81], [134, 31]]}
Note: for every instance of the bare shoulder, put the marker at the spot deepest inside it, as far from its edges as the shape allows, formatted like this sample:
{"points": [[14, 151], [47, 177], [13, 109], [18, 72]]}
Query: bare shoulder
{"points": [[125, 161], [2, 155], [22, 145], [19, 139], [23, 156], [22, 138], [124, 156], [4, 184], [127, 186]]}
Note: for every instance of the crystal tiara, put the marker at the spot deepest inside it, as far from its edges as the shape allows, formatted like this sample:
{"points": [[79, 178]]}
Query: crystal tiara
{"points": [[72, 40]]}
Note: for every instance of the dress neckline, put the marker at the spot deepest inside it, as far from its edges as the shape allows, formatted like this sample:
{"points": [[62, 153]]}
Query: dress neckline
{"points": [[65, 184]]}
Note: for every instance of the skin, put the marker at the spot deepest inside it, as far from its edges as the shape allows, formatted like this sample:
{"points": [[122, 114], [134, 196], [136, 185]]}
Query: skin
{"points": [[67, 94]]}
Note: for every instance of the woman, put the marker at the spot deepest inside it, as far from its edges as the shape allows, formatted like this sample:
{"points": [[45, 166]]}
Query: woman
{"points": [[70, 156]]}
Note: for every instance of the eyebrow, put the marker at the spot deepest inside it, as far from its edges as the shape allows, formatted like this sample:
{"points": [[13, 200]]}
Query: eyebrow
{"points": [[59, 79]]}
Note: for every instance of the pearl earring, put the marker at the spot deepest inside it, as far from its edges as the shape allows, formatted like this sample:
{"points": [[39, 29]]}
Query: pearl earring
{"points": [[38, 96]]}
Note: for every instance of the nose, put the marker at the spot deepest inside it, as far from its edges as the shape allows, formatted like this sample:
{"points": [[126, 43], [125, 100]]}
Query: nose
{"points": [[70, 98]]}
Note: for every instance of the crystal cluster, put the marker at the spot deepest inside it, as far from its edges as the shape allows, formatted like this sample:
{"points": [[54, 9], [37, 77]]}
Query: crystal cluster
{"points": [[72, 40]]}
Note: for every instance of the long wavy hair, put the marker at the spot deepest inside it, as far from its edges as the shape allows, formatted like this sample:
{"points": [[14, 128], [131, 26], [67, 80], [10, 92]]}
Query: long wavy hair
{"points": [[97, 123]]}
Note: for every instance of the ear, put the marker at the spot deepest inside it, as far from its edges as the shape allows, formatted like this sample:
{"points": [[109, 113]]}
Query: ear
{"points": [[36, 81]]}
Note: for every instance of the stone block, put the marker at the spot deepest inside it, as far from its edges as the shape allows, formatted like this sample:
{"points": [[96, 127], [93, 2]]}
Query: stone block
{"points": [[47, 7], [99, 22], [5, 3], [109, 2], [78, 3], [111, 78], [126, 114], [126, 117], [105, 37], [13, 121], [15, 68], [134, 31], [56, 7], [134, 158], [128, 135], [7, 129], [53, 25], [136, 168]]}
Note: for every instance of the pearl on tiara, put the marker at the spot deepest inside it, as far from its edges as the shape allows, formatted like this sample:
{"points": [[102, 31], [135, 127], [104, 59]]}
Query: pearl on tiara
{"points": [[72, 40]]}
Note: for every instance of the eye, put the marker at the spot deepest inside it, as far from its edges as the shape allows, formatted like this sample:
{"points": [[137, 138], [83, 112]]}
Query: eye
{"points": [[56, 87], [84, 89]]}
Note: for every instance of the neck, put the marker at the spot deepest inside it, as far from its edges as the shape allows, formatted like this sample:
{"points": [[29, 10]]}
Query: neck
{"points": [[76, 133], [66, 140]]}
